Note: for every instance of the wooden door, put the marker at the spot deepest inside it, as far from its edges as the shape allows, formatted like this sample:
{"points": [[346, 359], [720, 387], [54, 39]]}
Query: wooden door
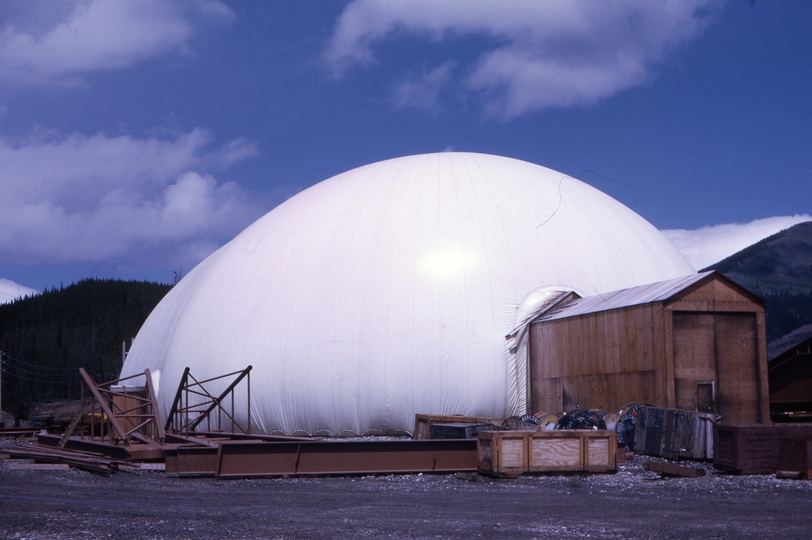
{"points": [[737, 391], [694, 356], [715, 364]]}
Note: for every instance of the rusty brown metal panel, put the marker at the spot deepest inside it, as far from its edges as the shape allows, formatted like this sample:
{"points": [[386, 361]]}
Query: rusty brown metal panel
{"points": [[257, 458], [85, 445], [171, 462], [248, 458], [196, 461]]}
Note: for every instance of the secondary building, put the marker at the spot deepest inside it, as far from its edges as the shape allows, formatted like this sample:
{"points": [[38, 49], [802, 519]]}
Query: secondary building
{"points": [[696, 343], [790, 370]]}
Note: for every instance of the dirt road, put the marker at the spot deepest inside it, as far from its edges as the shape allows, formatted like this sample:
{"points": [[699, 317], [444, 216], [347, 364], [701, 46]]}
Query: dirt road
{"points": [[630, 504]]}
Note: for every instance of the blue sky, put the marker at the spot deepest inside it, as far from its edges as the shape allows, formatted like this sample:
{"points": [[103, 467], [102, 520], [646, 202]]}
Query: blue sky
{"points": [[137, 137]]}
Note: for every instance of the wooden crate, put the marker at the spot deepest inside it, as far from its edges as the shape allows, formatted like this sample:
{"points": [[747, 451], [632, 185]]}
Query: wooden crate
{"points": [[423, 422], [796, 455], [458, 430], [556, 451], [502, 452], [600, 451], [674, 433], [518, 452], [754, 448]]}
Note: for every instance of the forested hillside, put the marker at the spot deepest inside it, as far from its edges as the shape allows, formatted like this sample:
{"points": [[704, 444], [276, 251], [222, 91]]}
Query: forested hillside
{"points": [[779, 270], [45, 339]]}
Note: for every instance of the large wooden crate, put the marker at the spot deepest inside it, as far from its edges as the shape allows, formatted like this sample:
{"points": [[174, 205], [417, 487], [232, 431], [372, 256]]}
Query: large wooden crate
{"points": [[754, 448], [517, 452]]}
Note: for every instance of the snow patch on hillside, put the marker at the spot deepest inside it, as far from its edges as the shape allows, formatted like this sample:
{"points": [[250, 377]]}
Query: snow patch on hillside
{"points": [[10, 291]]}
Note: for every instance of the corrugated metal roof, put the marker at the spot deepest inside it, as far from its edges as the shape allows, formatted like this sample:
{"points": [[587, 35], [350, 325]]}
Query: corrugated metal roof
{"points": [[790, 341], [634, 296]]}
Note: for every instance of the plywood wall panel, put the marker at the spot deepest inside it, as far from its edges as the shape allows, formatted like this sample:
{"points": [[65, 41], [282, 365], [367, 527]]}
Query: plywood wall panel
{"points": [[653, 353]]}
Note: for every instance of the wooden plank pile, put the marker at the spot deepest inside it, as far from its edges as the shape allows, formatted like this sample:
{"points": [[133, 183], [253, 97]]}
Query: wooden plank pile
{"points": [[33, 457], [669, 470]]}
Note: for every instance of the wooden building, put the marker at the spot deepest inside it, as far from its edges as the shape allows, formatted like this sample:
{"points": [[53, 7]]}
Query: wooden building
{"points": [[789, 360], [695, 343]]}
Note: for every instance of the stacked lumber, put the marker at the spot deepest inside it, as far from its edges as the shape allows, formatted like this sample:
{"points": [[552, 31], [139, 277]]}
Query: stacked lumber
{"points": [[35, 455], [668, 470]]}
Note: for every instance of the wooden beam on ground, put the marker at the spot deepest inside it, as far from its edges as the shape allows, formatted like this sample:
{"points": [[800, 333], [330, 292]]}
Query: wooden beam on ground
{"points": [[671, 470], [22, 465]]}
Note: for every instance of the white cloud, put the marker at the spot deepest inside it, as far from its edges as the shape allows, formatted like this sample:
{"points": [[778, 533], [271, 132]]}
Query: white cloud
{"points": [[95, 35], [548, 54], [709, 245], [10, 291], [423, 91], [119, 199]]}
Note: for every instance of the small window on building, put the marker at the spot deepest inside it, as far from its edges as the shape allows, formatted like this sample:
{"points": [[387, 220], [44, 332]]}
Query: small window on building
{"points": [[705, 397]]}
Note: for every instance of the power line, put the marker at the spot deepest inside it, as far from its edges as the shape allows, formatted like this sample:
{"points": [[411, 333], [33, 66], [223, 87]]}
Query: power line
{"points": [[14, 361]]}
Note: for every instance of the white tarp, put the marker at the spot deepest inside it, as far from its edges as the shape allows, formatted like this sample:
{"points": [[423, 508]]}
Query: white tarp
{"points": [[384, 291]]}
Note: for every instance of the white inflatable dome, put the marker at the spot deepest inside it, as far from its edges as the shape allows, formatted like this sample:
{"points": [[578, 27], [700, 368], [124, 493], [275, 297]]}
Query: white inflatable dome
{"points": [[387, 291]]}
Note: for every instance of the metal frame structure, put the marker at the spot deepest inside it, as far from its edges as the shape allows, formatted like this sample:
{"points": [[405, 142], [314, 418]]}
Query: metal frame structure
{"points": [[186, 416], [121, 421], [123, 418]]}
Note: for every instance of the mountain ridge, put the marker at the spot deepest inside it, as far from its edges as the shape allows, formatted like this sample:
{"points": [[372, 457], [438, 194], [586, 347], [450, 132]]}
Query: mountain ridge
{"points": [[779, 270]]}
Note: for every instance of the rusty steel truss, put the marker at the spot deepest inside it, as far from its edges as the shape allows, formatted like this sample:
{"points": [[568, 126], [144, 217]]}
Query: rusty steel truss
{"points": [[187, 415], [117, 414], [202, 436]]}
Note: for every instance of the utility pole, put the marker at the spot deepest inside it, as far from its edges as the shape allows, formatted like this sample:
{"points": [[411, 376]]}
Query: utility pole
{"points": [[1, 385]]}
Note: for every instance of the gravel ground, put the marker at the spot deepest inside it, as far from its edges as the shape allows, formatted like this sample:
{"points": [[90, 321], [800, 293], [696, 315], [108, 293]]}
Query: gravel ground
{"points": [[633, 503]]}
